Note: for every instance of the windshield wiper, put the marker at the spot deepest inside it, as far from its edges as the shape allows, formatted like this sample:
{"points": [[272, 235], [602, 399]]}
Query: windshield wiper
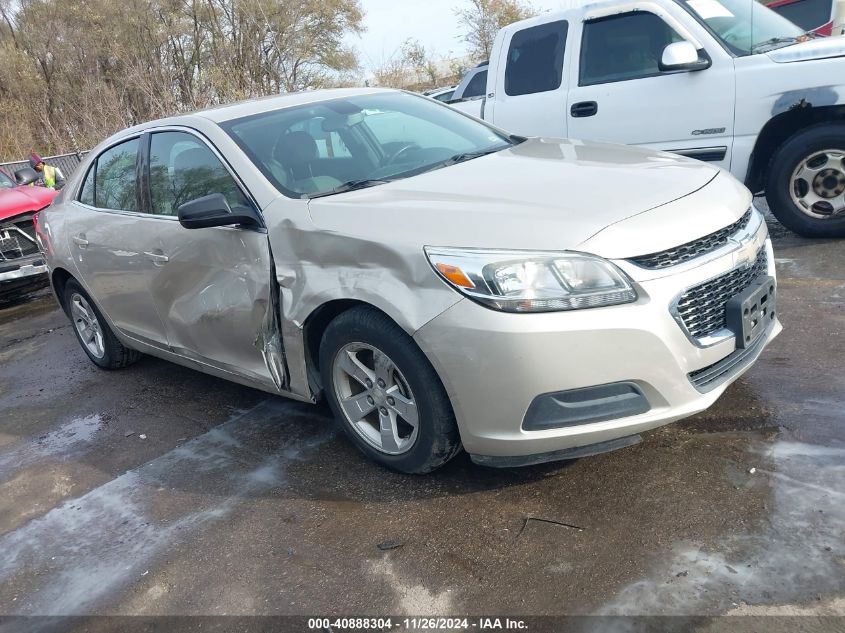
{"points": [[789, 39], [464, 156], [351, 185]]}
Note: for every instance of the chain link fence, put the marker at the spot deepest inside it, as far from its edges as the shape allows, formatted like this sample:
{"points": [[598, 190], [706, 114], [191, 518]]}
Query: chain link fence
{"points": [[67, 163]]}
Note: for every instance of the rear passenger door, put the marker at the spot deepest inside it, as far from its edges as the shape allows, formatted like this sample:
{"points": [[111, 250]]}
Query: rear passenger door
{"points": [[530, 95], [112, 244]]}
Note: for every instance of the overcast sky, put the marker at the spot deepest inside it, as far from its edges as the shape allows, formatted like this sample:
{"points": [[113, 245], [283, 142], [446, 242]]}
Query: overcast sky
{"points": [[432, 22]]}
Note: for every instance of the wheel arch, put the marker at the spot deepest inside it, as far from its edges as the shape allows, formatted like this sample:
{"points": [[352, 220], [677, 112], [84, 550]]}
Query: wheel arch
{"points": [[315, 326], [58, 279], [778, 129]]}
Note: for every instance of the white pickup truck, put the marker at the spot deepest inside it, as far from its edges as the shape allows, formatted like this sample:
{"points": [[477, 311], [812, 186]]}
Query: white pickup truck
{"points": [[726, 81]]}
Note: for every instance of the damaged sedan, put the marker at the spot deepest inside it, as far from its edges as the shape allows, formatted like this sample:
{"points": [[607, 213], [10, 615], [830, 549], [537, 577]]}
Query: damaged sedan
{"points": [[442, 284]]}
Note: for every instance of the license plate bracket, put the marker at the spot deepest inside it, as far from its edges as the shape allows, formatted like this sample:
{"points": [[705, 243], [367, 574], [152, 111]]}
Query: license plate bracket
{"points": [[749, 313]]}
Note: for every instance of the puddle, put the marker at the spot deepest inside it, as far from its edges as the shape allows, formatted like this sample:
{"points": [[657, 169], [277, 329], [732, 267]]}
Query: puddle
{"points": [[794, 557], [67, 561], [65, 441]]}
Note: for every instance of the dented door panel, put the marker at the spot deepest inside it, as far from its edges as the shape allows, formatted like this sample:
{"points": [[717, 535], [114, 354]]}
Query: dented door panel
{"points": [[216, 297]]}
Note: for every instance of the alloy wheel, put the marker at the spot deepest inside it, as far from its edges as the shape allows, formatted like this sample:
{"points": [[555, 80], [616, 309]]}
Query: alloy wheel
{"points": [[817, 185], [87, 325], [375, 398]]}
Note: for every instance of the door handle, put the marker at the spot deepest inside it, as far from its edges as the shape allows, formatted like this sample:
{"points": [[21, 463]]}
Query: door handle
{"points": [[159, 258], [80, 240], [584, 108]]}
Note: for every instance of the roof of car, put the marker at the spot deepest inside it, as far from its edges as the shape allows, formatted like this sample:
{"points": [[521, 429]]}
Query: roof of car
{"points": [[240, 109]]}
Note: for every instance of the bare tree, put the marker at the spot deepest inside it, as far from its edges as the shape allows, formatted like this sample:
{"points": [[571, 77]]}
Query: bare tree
{"points": [[82, 70], [482, 19]]}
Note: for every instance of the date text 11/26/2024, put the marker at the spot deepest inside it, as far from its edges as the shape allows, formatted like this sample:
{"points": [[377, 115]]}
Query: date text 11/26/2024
{"points": [[418, 624]]}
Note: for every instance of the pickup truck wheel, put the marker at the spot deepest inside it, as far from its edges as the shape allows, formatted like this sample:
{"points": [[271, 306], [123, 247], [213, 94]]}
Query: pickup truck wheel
{"points": [[805, 184], [93, 333], [385, 394]]}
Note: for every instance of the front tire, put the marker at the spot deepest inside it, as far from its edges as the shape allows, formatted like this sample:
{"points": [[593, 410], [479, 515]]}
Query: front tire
{"points": [[385, 394], [805, 183], [93, 333]]}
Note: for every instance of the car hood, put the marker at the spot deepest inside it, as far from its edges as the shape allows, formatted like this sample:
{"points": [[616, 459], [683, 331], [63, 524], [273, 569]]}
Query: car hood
{"points": [[24, 200], [541, 194], [820, 48]]}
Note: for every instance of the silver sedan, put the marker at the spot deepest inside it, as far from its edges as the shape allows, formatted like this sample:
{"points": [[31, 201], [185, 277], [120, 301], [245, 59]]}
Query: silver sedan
{"points": [[443, 284]]}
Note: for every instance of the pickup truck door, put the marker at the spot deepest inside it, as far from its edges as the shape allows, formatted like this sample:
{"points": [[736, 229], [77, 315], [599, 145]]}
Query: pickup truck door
{"points": [[527, 91], [619, 94]]}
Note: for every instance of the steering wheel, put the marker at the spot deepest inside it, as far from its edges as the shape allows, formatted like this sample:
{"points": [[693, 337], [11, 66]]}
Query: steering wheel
{"points": [[402, 150]]}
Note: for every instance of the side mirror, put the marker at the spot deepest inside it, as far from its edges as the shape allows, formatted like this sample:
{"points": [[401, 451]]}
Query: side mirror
{"points": [[213, 210], [683, 56], [26, 176]]}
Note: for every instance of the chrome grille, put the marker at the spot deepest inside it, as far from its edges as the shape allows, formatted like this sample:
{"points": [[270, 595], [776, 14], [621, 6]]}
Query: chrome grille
{"points": [[16, 241], [702, 307], [691, 250]]}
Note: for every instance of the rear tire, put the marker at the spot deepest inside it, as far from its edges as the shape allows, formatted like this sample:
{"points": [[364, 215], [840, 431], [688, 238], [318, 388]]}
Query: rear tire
{"points": [[805, 182], [385, 394], [93, 333]]}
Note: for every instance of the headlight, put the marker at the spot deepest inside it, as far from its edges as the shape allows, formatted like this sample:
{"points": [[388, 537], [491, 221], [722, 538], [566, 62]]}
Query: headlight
{"points": [[529, 281]]}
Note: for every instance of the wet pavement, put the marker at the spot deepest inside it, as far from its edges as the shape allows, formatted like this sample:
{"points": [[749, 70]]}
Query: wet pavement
{"points": [[234, 502]]}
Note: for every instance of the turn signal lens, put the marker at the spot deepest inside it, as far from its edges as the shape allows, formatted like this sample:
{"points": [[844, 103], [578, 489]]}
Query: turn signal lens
{"points": [[455, 275]]}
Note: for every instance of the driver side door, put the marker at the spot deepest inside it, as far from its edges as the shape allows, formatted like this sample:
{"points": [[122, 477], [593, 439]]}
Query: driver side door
{"points": [[214, 287], [620, 95]]}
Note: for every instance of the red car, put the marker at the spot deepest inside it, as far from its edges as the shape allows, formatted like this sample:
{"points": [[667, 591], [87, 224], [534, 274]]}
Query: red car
{"points": [[21, 266]]}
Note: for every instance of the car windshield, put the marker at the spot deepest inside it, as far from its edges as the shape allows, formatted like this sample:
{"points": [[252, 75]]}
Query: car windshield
{"points": [[745, 26], [349, 143], [6, 182]]}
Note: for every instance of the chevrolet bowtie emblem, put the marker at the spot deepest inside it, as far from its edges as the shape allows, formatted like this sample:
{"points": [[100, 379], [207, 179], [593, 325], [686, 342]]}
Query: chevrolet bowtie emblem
{"points": [[746, 253]]}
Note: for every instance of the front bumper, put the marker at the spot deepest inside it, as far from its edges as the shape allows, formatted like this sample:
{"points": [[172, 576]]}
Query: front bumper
{"points": [[494, 364], [16, 275]]}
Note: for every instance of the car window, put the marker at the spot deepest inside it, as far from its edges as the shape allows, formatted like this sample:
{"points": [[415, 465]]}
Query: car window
{"points": [[623, 47], [5, 181], [86, 195], [808, 14], [115, 184], [183, 168], [319, 148], [445, 96], [476, 86], [744, 27], [535, 59], [329, 144]]}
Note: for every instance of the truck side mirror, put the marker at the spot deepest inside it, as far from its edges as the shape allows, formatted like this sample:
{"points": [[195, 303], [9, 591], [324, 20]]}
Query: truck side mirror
{"points": [[683, 56]]}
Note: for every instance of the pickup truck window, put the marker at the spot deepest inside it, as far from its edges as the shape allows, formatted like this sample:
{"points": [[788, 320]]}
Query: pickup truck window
{"points": [[476, 86], [535, 59], [744, 27], [623, 47]]}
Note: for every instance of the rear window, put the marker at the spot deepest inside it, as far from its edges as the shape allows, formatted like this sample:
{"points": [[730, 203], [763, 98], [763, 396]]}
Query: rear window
{"points": [[476, 86], [535, 59], [808, 14]]}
